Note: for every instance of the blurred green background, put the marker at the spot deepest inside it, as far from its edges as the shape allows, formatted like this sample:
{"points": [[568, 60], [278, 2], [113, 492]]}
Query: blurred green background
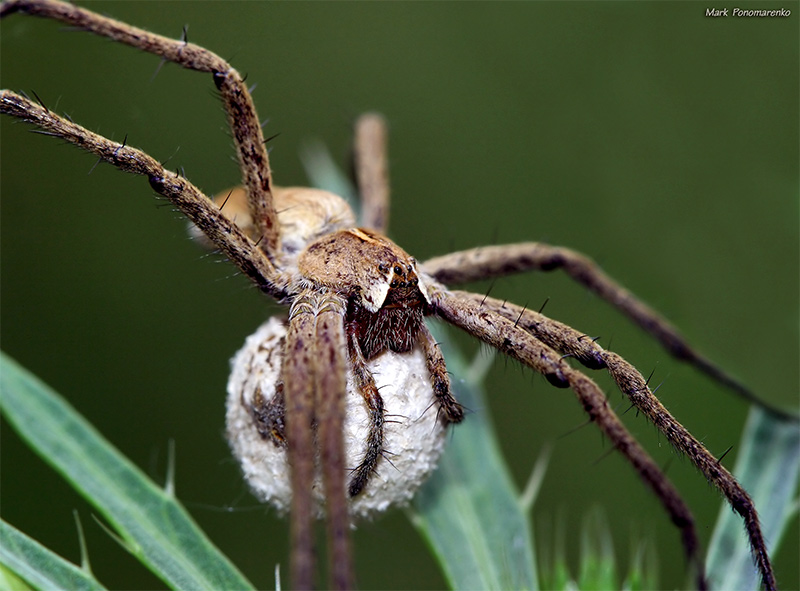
{"points": [[661, 142]]}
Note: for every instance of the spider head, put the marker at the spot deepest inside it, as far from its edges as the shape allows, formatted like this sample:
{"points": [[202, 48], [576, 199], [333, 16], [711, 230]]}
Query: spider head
{"points": [[363, 265], [405, 289]]}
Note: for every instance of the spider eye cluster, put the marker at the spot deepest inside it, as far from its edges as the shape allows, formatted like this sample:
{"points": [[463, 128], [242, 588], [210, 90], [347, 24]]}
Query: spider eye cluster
{"points": [[404, 279]]}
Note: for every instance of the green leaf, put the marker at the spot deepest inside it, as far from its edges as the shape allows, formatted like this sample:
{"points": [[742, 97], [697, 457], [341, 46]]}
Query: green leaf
{"points": [[152, 524], [29, 560], [469, 511], [767, 467]]}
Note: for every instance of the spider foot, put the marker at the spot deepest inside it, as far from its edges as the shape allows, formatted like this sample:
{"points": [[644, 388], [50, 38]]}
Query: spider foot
{"points": [[361, 474], [450, 409]]}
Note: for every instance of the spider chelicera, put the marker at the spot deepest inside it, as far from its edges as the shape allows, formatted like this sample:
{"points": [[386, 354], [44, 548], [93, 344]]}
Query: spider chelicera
{"points": [[354, 295]]}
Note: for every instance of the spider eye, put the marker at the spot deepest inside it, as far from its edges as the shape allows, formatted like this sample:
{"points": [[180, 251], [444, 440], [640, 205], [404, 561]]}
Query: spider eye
{"points": [[383, 268], [395, 283], [398, 270]]}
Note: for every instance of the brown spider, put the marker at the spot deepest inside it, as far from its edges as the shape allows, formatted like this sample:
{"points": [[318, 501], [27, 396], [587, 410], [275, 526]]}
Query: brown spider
{"points": [[354, 294]]}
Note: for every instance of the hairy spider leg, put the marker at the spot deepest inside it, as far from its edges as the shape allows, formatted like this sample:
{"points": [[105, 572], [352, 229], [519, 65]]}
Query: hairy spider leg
{"points": [[449, 409], [490, 262], [365, 382], [568, 341], [505, 335], [371, 171], [242, 118], [314, 407], [330, 384]]}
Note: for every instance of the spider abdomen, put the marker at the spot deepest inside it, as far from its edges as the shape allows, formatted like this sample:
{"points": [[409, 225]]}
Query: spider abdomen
{"points": [[414, 437]]}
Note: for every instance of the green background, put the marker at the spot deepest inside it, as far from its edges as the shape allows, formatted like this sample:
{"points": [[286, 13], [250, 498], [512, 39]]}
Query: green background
{"points": [[660, 142]]}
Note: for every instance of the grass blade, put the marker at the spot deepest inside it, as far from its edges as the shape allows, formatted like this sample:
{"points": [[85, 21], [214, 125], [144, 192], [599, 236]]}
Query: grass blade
{"points": [[469, 511], [768, 467], [38, 566], [152, 524]]}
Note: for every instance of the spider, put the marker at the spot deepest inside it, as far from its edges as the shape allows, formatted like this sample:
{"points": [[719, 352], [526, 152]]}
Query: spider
{"points": [[391, 292]]}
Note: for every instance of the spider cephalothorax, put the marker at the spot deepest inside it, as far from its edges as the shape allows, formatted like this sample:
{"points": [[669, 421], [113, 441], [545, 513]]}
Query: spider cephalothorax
{"points": [[355, 324], [378, 279]]}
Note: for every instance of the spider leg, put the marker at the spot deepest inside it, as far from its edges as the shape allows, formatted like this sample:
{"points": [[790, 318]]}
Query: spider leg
{"points": [[371, 171], [313, 373], [365, 382], [569, 341], [497, 261], [242, 118], [450, 411], [184, 195], [329, 392], [503, 334], [297, 374]]}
